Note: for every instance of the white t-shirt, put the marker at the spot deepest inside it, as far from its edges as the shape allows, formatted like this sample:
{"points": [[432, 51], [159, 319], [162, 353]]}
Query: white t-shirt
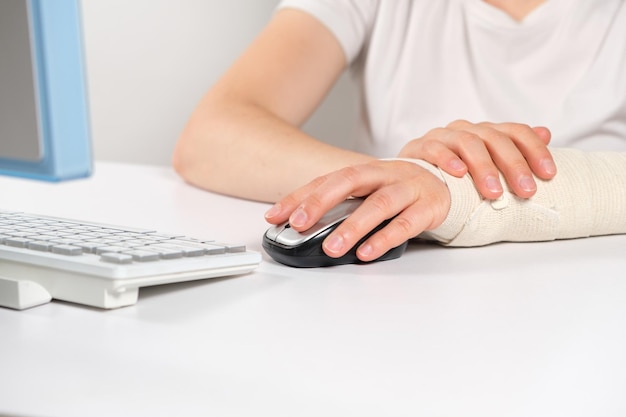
{"points": [[423, 63]]}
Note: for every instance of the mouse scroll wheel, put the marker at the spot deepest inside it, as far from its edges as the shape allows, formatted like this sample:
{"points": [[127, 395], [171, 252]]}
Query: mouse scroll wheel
{"points": [[287, 226]]}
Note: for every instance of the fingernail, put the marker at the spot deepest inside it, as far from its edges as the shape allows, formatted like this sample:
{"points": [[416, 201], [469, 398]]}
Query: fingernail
{"points": [[493, 184], [334, 244], [298, 218], [526, 183], [457, 165], [366, 250], [548, 166], [273, 211]]}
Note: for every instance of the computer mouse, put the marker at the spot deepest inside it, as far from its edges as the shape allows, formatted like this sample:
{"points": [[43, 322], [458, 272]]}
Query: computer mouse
{"points": [[304, 249]]}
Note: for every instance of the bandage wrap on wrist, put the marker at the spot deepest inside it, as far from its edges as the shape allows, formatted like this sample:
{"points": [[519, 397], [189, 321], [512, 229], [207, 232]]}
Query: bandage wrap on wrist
{"points": [[587, 197]]}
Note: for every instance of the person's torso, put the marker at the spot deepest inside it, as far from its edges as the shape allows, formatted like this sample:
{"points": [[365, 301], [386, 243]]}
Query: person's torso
{"points": [[427, 63]]}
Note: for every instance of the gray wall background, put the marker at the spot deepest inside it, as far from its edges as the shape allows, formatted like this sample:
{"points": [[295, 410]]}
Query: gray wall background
{"points": [[150, 61]]}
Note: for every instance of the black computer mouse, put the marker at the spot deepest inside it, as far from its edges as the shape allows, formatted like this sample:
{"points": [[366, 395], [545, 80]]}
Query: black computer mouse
{"points": [[304, 250]]}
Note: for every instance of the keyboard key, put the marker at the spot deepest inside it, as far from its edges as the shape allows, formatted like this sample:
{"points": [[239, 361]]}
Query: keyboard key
{"points": [[232, 248], [161, 236], [102, 249], [103, 242], [214, 249], [61, 241], [116, 258], [17, 242], [139, 242], [66, 250], [40, 245], [89, 247], [94, 235], [143, 255], [21, 234], [188, 249], [165, 252]]}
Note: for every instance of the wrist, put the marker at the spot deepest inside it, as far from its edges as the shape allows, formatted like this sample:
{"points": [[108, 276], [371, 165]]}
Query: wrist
{"points": [[464, 197]]}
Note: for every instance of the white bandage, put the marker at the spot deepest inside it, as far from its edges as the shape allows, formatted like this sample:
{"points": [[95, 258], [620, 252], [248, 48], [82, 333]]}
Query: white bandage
{"points": [[587, 197]]}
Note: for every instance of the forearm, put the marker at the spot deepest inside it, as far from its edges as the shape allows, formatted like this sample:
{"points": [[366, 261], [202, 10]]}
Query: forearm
{"points": [[586, 198], [243, 138], [243, 150]]}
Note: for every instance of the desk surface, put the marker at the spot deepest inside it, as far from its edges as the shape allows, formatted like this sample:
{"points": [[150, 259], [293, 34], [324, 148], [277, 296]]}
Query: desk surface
{"points": [[507, 330]]}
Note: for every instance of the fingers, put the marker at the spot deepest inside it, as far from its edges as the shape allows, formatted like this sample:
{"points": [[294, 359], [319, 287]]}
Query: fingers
{"points": [[417, 212], [305, 206], [436, 152], [507, 157], [486, 149], [378, 207], [532, 143]]}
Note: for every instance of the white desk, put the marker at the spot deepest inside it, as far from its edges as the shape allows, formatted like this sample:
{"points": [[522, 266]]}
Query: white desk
{"points": [[507, 330]]}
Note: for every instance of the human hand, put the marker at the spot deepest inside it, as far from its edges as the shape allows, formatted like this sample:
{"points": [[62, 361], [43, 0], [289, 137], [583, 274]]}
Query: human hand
{"points": [[420, 200], [485, 149]]}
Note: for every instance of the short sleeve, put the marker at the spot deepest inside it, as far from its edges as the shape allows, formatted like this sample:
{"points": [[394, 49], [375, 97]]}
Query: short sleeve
{"points": [[349, 20]]}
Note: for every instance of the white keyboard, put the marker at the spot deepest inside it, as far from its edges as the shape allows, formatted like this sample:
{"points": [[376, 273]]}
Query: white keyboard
{"points": [[44, 258]]}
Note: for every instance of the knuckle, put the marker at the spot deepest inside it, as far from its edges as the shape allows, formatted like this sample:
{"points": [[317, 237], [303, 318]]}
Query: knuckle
{"points": [[413, 148], [437, 131], [537, 148], [429, 149], [314, 202], [404, 225], [458, 123], [518, 130], [383, 239], [351, 231], [519, 166], [381, 201], [350, 174], [318, 182], [290, 201], [497, 140], [468, 140], [396, 232]]}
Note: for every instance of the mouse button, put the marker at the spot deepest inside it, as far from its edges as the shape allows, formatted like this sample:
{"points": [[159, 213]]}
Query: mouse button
{"points": [[273, 232], [291, 237], [340, 211], [334, 216]]}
